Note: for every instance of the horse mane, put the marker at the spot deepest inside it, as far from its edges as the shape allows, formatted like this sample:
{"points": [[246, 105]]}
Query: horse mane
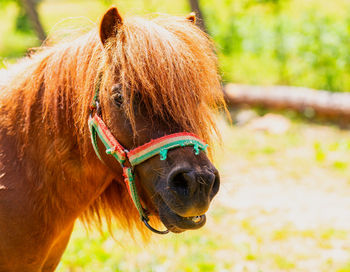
{"points": [[172, 64], [167, 60]]}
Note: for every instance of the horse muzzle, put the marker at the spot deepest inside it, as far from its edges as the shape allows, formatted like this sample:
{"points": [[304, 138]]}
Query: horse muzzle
{"points": [[187, 198]]}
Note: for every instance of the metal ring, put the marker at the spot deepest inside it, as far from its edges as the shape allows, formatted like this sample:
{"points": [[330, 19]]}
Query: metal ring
{"points": [[144, 220]]}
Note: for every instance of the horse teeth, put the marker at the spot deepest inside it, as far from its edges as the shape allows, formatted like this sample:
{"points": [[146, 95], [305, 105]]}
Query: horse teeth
{"points": [[196, 219]]}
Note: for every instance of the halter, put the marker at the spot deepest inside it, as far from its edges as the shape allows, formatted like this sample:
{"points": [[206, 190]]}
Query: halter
{"points": [[138, 155]]}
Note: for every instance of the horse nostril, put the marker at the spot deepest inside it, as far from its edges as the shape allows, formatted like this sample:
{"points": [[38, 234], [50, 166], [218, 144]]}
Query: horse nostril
{"points": [[187, 182], [193, 190], [216, 185], [181, 182]]}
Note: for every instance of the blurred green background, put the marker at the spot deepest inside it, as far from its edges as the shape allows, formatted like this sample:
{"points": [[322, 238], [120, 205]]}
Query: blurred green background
{"points": [[284, 201], [289, 42]]}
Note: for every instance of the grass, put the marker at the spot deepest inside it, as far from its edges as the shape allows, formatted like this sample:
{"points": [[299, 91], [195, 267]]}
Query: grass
{"points": [[280, 208]]}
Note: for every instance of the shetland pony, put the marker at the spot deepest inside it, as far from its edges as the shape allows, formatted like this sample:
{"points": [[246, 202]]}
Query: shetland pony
{"points": [[154, 78]]}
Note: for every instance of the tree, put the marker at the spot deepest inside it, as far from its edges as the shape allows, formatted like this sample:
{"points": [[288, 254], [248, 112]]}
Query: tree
{"points": [[28, 18], [30, 8]]}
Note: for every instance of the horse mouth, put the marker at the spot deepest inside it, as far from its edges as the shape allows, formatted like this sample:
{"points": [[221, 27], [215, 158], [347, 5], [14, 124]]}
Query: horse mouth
{"points": [[177, 223]]}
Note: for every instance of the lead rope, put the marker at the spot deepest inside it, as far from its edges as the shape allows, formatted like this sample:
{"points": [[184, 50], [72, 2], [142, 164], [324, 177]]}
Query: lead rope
{"points": [[138, 155]]}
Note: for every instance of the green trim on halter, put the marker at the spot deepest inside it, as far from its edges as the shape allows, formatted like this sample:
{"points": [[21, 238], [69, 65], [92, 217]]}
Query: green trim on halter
{"points": [[163, 150], [129, 177], [93, 133], [96, 129]]}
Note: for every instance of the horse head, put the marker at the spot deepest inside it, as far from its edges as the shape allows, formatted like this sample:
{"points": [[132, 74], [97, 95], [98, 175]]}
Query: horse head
{"points": [[159, 80]]}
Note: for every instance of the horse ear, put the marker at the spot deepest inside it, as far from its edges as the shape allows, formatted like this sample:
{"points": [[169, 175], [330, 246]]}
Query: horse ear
{"points": [[191, 17], [110, 24]]}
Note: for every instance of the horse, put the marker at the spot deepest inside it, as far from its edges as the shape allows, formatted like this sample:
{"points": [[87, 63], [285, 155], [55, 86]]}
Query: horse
{"points": [[112, 126]]}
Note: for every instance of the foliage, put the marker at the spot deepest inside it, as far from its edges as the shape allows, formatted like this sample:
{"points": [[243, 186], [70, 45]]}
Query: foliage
{"points": [[22, 22], [293, 42], [13, 43], [282, 42]]}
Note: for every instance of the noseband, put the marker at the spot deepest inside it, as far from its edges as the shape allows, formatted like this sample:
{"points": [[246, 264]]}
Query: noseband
{"points": [[129, 159]]}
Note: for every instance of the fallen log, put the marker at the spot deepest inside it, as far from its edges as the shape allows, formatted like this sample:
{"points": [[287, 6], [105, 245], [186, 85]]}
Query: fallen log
{"points": [[322, 103]]}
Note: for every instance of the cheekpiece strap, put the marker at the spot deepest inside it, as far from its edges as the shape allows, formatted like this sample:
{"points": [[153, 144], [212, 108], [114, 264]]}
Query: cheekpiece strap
{"points": [[130, 184], [113, 147]]}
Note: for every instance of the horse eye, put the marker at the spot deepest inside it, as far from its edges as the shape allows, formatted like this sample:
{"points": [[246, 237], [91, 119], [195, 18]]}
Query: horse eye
{"points": [[117, 94], [118, 99]]}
